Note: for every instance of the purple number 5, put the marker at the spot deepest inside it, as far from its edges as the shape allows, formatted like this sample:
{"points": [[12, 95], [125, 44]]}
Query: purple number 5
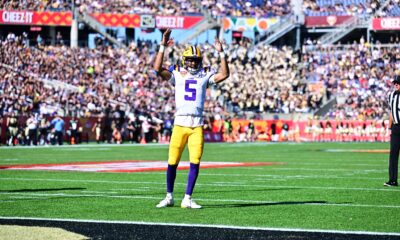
{"points": [[191, 92]]}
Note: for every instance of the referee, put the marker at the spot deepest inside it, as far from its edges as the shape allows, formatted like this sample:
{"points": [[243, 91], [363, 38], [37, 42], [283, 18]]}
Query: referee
{"points": [[394, 124]]}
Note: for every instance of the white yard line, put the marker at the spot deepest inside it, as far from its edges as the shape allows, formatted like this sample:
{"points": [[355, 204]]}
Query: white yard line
{"points": [[99, 192], [86, 146], [138, 189], [219, 184], [329, 169], [242, 201], [277, 176], [9, 159], [341, 164]]}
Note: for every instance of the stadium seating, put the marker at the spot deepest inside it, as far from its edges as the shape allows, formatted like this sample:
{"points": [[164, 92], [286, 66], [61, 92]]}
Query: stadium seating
{"points": [[335, 7], [169, 7]]}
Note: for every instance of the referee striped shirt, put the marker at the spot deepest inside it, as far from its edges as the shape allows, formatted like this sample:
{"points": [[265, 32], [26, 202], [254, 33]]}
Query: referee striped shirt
{"points": [[394, 103]]}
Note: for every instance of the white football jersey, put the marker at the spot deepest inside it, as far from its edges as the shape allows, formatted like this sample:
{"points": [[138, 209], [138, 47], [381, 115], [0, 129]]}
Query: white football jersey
{"points": [[190, 90]]}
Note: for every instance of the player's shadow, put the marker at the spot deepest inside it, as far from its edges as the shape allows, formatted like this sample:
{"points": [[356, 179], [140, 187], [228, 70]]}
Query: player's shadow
{"points": [[240, 205], [41, 190]]}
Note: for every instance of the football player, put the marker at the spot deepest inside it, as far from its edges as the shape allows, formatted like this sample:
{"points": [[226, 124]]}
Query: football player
{"points": [[190, 80]]}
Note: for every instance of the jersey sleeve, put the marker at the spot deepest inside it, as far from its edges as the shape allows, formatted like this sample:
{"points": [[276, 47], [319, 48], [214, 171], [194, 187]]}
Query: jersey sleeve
{"points": [[210, 74]]}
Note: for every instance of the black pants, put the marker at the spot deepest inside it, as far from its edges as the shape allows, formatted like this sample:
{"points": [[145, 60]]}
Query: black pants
{"points": [[32, 136], [74, 134], [59, 136], [394, 152]]}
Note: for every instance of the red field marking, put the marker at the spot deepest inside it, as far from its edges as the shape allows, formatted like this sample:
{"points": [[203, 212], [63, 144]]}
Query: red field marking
{"points": [[126, 166]]}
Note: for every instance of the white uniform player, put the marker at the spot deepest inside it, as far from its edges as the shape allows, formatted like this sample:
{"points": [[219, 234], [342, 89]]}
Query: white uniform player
{"points": [[191, 80], [190, 94]]}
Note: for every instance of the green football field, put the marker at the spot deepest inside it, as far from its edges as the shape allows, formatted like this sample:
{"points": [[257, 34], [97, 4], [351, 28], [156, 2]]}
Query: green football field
{"points": [[319, 186]]}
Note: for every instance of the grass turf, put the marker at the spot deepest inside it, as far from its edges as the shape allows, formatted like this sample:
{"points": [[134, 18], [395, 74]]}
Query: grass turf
{"points": [[314, 189]]}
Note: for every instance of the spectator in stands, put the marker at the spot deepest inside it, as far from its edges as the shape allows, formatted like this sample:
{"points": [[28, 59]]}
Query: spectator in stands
{"points": [[86, 82]]}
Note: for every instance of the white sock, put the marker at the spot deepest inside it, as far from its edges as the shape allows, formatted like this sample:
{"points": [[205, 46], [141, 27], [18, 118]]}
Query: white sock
{"points": [[188, 196], [170, 195]]}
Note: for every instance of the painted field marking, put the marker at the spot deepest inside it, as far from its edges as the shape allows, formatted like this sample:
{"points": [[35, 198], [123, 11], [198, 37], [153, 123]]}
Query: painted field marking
{"points": [[277, 176], [200, 199], [126, 166], [221, 184], [341, 164], [206, 226], [356, 150], [10, 159], [15, 198], [329, 170], [99, 192], [105, 145], [133, 189], [26, 197], [280, 176], [139, 189], [83, 149]]}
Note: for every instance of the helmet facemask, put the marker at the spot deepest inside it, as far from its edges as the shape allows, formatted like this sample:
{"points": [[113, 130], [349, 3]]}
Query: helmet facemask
{"points": [[192, 64]]}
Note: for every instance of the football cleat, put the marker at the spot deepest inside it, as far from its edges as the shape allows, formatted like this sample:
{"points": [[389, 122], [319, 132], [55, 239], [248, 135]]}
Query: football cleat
{"points": [[166, 202], [390, 184], [189, 203]]}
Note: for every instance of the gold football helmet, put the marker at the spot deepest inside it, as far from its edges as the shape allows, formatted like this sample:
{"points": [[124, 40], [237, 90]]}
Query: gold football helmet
{"points": [[192, 59]]}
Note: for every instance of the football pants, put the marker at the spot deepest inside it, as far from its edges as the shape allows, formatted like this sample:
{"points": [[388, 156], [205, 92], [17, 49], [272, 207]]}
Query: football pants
{"points": [[182, 135]]}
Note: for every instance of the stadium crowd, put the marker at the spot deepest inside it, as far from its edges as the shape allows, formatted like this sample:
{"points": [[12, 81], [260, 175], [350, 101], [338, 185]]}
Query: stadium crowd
{"points": [[118, 84], [89, 80], [217, 8], [255, 8], [82, 82], [359, 75]]}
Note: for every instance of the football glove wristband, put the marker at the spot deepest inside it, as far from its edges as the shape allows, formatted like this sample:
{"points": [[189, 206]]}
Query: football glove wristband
{"points": [[162, 49]]}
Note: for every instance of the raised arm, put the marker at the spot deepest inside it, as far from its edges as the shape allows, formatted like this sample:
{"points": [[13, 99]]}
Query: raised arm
{"points": [[223, 72], [165, 42]]}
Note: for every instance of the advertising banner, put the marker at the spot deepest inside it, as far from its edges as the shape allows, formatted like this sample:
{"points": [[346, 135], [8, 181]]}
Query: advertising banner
{"points": [[65, 19], [175, 22], [266, 130], [35, 18], [325, 21], [118, 20], [386, 23], [147, 21], [248, 24]]}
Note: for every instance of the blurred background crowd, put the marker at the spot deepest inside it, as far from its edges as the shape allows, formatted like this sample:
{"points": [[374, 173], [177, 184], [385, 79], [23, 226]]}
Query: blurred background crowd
{"points": [[41, 82], [255, 8]]}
